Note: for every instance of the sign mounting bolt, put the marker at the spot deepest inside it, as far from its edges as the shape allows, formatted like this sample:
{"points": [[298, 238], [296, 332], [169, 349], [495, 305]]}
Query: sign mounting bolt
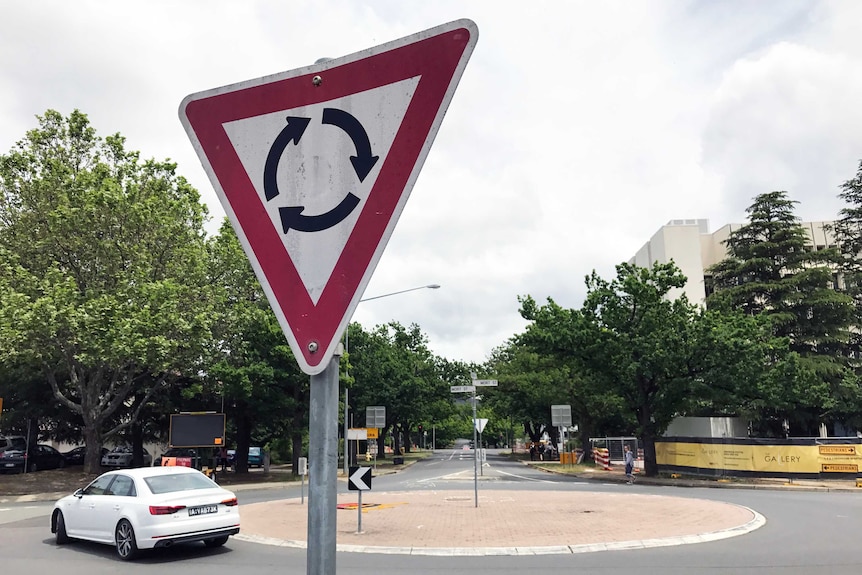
{"points": [[312, 347], [317, 80]]}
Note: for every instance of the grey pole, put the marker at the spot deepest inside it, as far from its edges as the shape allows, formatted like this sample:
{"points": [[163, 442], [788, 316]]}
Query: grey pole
{"points": [[475, 455], [346, 403], [323, 469]]}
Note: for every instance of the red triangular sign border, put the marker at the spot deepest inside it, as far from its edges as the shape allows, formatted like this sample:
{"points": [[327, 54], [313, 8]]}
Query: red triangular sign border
{"points": [[438, 56]]}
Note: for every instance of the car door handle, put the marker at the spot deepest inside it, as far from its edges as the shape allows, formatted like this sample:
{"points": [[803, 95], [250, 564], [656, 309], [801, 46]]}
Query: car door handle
{"points": [[116, 507]]}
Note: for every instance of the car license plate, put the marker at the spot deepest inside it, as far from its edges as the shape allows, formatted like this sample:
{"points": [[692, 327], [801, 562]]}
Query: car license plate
{"points": [[203, 510], [10, 465]]}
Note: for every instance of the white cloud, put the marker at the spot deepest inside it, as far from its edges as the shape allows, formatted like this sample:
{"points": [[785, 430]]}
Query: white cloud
{"points": [[578, 129]]}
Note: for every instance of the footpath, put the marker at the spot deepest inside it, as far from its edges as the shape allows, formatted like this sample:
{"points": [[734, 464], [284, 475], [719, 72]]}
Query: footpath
{"points": [[526, 522]]}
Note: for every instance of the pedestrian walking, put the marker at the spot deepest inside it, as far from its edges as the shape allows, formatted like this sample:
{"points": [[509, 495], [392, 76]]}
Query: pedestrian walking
{"points": [[630, 465]]}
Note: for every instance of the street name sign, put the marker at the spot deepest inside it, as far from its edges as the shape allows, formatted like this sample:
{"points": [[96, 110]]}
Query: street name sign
{"points": [[461, 388], [359, 479], [314, 166], [485, 382]]}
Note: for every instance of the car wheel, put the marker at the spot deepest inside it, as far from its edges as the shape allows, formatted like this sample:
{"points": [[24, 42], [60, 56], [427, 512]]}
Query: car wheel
{"points": [[32, 468], [124, 537], [61, 529], [216, 542], [62, 464]]}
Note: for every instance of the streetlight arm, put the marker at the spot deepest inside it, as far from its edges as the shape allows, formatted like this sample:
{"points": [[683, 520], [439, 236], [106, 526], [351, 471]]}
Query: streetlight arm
{"points": [[430, 286]]}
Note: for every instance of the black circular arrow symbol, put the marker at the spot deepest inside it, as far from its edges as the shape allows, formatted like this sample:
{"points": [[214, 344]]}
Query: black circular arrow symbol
{"points": [[363, 162]]}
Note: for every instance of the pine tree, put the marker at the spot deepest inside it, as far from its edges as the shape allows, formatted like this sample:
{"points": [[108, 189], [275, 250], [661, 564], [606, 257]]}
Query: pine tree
{"points": [[772, 269]]}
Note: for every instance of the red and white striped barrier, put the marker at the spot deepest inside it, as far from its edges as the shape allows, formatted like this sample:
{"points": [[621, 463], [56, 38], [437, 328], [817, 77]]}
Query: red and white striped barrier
{"points": [[602, 457]]}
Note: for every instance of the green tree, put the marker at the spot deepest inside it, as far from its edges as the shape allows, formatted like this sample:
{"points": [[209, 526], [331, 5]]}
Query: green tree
{"points": [[647, 355], [773, 270], [847, 231], [251, 364], [102, 283], [392, 366], [548, 361]]}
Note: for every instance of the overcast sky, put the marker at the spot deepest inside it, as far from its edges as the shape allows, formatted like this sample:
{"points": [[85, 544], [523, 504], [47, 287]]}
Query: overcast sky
{"points": [[578, 129]]}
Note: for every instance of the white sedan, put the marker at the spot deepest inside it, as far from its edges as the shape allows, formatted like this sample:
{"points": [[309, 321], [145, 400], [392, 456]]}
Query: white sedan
{"points": [[148, 507]]}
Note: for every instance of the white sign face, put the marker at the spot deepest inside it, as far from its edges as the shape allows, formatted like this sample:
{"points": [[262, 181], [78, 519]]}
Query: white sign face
{"points": [[322, 175], [461, 388], [314, 166], [480, 425], [485, 382], [357, 434]]}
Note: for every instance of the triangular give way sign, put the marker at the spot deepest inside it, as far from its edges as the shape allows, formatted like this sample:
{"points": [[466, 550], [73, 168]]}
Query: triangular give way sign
{"points": [[314, 166]]}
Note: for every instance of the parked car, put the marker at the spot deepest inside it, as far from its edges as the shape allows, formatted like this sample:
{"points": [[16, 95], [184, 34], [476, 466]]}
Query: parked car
{"points": [[41, 457], [147, 507], [17, 442], [178, 452], [255, 457], [76, 456], [122, 457]]}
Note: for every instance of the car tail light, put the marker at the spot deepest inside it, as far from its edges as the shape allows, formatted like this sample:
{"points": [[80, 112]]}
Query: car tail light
{"points": [[230, 502], [165, 509]]}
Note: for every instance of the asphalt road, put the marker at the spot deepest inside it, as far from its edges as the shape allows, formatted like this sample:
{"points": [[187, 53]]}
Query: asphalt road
{"points": [[807, 533]]}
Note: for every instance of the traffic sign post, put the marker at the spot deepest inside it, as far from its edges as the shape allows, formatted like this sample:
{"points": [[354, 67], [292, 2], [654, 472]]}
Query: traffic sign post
{"points": [[313, 167], [480, 426], [359, 480], [561, 417], [302, 464]]}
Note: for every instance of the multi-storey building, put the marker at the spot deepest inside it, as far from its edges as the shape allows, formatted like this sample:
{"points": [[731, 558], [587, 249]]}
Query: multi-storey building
{"points": [[694, 250]]}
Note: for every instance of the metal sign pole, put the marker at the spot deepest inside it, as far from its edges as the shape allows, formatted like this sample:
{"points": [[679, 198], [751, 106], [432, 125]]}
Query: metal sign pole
{"points": [[359, 511], [482, 460], [323, 463], [475, 456]]}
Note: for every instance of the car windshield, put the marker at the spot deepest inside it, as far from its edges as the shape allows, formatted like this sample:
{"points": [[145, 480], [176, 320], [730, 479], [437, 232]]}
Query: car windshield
{"points": [[178, 482], [254, 450]]}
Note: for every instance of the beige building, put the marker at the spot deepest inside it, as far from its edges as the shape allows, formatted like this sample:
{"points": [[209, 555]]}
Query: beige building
{"points": [[694, 249]]}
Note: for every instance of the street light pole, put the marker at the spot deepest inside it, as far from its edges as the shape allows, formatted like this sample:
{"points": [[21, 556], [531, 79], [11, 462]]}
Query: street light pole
{"points": [[346, 349]]}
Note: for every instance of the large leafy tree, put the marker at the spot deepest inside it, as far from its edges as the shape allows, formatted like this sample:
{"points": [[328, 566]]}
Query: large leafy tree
{"points": [[102, 283], [772, 270], [643, 353], [548, 362], [392, 366]]}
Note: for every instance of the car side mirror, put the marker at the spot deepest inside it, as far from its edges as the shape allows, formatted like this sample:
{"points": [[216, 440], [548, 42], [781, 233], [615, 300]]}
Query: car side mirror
{"points": [[79, 493]]}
